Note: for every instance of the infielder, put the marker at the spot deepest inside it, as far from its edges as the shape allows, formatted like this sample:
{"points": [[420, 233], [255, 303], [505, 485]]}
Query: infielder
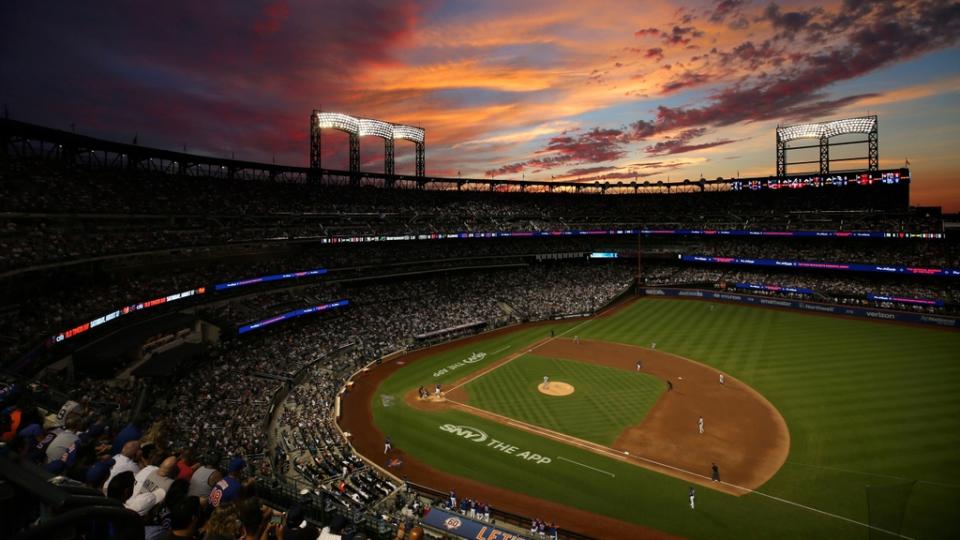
{"points": [[721, 378], [437, 391], [693, 496], [700, 425], [639, 365], [576, 339], [714, 473]]}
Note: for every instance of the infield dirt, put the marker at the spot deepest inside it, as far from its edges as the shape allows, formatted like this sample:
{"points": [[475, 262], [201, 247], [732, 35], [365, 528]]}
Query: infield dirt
{"points": [[357, 418]]}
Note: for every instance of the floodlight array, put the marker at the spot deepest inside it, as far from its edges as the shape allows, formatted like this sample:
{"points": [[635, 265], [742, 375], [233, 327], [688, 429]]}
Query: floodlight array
{"points": [[377, 128], [408, 133], [864, 124], [366, 126], [338, 121]]}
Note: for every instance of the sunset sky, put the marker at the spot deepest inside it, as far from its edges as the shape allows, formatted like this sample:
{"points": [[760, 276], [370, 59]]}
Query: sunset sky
{"points": [[565, 89]]}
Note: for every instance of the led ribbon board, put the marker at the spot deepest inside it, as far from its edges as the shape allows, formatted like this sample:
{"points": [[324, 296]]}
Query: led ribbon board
{"points": [[773, 288], [292, 315], [126, 310], [265, 279], [856, 267]]}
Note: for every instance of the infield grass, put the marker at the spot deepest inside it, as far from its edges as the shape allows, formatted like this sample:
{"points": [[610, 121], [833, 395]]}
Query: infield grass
{"points": [[606, 401], [866, 403]]}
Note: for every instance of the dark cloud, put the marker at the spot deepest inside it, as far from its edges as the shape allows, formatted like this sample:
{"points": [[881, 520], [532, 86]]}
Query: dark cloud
{"points": [[789, 22], [680, 35], [680, 143], [687, 79], [594, 146], [654, 52], [221, 77], [797, 90], [724, 8], [751, 56], [512, 168], [647, 32]]}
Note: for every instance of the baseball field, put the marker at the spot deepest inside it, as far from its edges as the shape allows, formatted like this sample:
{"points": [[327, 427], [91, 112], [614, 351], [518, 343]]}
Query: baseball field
{"points": [[824, 427]]}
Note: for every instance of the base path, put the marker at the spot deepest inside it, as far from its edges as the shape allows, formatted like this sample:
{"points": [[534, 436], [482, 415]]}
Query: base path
{"points": [[744, 434], [357, 418]]}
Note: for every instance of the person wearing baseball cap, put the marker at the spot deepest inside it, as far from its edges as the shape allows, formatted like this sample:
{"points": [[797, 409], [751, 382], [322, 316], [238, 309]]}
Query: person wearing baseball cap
{"points": [[228, 488]]}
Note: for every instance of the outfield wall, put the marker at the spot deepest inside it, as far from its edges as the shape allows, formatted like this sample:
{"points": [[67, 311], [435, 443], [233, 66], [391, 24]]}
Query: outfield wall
{"points": [[800, 305]]}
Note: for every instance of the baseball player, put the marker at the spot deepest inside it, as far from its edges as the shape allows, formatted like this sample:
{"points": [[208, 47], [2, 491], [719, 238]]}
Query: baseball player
{"points": [[387, 446], [639, 365], [437, 391], [693, 497], [576, 339], [700, 425], [721, 378], [653, 345], [714, 473], [669, 386], [546, 382]]}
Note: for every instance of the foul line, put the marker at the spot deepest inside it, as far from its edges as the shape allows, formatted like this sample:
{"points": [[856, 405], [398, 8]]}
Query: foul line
{"points": [[610, 452], [587, 466], [516, 355]]}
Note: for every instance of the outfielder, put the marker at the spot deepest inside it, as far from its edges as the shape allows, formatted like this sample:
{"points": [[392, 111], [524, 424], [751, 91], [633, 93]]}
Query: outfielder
{"points": [[700, 425]]}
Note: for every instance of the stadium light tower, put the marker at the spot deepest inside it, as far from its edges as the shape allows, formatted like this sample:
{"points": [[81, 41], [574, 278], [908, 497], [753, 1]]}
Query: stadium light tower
{"points": [[823, 132], [363, 127]]}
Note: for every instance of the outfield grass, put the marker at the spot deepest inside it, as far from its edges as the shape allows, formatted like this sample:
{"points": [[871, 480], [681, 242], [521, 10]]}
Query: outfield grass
{"points": [[606, 400], [867, 404]]}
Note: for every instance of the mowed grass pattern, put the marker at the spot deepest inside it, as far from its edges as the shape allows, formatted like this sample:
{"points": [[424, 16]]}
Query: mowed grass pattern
{"points": [[605, 401], [866, 403]]}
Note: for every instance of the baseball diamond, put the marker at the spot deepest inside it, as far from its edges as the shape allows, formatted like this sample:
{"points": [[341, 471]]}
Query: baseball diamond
{"points": [[795, 439], [480, 270]]}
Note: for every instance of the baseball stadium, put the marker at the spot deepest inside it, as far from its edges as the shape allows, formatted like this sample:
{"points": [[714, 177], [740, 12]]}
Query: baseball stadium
{"points": [[535, 330]]}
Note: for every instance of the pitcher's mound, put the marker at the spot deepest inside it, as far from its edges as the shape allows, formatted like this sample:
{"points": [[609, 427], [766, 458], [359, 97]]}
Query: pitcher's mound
{"points": [[556, 388]]}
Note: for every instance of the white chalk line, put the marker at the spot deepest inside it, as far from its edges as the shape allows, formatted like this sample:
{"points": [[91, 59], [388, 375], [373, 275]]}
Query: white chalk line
{"points": [[519, 354], [610, 452], [587, 466], [863, 473], [567, 439]]}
